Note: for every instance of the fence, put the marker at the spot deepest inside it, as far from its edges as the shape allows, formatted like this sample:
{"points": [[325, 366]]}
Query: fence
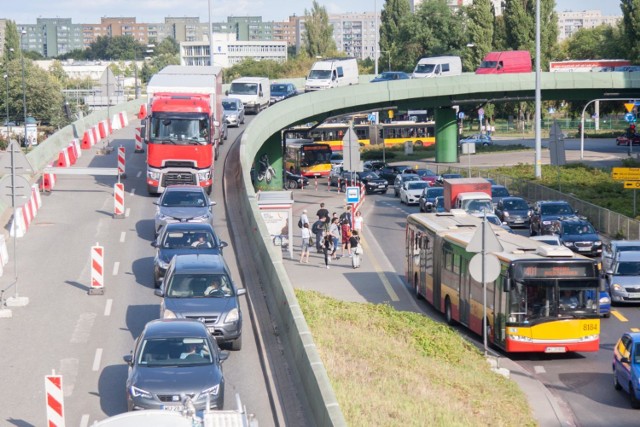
{"points": [[607, 222]]}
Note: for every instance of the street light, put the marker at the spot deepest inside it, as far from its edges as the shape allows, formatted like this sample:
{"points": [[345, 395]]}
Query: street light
{"points": [[388, 58], [24, 93]]}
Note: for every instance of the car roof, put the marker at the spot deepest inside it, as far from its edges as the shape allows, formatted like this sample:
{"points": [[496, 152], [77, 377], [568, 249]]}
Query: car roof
{"points": [[189, 226], [540, 202], [622, 243], [183, 187], [576, 221], [199, 263], [174, 328]]}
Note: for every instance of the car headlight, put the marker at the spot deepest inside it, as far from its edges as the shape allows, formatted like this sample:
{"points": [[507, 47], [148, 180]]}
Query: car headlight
{"points": [[529, 213], [163, 217], [232, 316], [385, 182], [204, 175], [598, 243], [505, 214], [211, 390], [616, 287], [168, 314], [138, 392], [153, 175], [568, 244], [201, 217], [605, 300]]}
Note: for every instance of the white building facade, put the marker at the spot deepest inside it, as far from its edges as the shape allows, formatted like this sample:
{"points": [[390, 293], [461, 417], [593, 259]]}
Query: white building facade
{"points": [[227, 51], [569, 22]]}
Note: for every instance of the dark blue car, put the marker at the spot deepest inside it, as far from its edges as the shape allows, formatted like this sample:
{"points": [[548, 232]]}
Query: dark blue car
{"points": [[282, 91], [386, 76], [626, 366], [182, 238]]}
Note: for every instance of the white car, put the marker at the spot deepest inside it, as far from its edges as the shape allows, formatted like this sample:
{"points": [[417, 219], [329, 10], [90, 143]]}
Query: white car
{"points": [[411, 191]]}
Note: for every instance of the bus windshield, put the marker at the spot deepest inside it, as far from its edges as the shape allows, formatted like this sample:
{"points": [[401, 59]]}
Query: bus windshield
{"points": [[180, 130], [311, 157]]}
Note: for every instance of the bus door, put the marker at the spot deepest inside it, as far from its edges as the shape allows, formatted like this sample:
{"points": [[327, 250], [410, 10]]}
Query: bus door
{"points": [[409, 251], [465, 291]]}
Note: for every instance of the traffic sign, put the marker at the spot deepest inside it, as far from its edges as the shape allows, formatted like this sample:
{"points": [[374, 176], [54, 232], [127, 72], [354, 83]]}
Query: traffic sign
{"points": [[633, 185], [491, 268], [629, 106], [630, 117], [484, 239], [625, 174], [353, 194]]}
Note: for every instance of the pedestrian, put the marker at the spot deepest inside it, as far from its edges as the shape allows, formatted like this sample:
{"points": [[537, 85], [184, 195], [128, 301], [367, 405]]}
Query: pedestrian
{"points": [[322, 212], [346, 214], [304, 219], [345, 229], [334, 231], [358, 222], [356, 249], [306, 235], [327, 246], [318, 229]]}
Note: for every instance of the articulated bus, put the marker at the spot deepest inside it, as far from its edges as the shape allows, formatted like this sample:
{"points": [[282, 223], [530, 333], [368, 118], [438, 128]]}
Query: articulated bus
{"points": [[307, 158], [394, 133], [545, 299]]}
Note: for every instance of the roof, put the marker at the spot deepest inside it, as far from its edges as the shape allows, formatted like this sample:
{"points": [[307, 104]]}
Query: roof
{"points": [[174, 328], [199, 263], [191, 70]]}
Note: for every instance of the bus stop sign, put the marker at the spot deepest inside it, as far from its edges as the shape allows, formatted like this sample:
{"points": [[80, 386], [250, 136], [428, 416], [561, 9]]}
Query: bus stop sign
{"points": [[353, 194]]}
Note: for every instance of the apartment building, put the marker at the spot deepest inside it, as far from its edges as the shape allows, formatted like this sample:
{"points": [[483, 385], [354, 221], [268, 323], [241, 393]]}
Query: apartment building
{"points": [[51, 36], [355, 33], [569, 21]]}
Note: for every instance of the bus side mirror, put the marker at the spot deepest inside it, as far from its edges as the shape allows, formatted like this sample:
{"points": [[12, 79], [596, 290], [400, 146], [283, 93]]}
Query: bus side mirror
{"points": [[507, 284]]}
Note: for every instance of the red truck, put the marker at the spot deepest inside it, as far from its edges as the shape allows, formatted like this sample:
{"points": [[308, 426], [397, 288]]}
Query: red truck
{"points": [[183, 128], [462, 193], [510, 61]]}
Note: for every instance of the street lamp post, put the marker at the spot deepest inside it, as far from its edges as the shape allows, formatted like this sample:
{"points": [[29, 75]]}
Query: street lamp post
{"points": [[135, 73], [24, 93]]}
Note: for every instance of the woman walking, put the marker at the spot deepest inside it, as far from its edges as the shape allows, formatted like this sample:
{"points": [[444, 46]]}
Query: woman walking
{"points": [[356, 249], [306, 235], [358, 222], [334, 230], [346, 235], [327, 245]]}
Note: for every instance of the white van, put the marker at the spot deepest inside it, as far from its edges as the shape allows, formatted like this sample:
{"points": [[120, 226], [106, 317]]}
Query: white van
{"points": [[254, 92], [438, 66], [332, 72]]}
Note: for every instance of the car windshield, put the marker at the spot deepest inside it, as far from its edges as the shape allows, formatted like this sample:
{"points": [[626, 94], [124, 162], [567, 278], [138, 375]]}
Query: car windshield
{"points": [[556, 209], [188, 239], [628, 268], [424, 68], [516, 204], [183, 199], [451, 175], [243, 88], [627, 248], [278, 88], [368, 175], [494, 220], [577, 228], [418, 185], [411, 177], [230, 106], [499, 192], [320, 74], [176, 352], [199, 285], [425, 172]]}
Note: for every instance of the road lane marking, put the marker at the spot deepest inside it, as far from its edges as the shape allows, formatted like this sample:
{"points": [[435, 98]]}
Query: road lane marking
{"points": [[122, 236], [107, 307], [635, 330], [116, 266], [127, 211], [539, 369], [139, 174], [380, 273], [619, 316], [96, 360], [132, 192], [84, 421], [82, 332]]}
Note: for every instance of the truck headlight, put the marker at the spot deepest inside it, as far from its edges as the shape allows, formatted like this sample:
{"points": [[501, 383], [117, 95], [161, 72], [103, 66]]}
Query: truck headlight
{"points": [[154, 175], [204, 175]]}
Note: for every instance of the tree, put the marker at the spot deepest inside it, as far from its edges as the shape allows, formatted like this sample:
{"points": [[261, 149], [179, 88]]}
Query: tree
{"points": [[631, 27], [318, 36], [499, 34], [11, 41], [168, 46], [601, 42], [394, 13], [479, 33]]}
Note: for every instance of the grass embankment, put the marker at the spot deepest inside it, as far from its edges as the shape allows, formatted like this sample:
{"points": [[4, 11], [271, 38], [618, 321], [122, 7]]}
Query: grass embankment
{"points": [[391, 368]]}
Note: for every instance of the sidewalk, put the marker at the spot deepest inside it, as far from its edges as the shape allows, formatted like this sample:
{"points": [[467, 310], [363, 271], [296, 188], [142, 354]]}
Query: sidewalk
{"points": [[370, 284]]}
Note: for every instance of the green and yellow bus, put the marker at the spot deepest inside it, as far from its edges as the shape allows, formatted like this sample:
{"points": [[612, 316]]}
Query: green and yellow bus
{"points": [[527, 308]]}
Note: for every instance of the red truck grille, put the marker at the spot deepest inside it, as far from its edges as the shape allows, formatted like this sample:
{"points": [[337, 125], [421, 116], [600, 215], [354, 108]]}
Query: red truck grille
{"points": [[177, 178]]}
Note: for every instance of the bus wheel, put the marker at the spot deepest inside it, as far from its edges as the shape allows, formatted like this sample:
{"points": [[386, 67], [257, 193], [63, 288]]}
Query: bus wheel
{"points": [[416, 286], [447, 312]]}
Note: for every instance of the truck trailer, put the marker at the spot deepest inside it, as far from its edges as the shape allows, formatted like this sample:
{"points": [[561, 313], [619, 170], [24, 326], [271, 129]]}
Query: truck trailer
{"points": [[464, 193], [183, 128]]}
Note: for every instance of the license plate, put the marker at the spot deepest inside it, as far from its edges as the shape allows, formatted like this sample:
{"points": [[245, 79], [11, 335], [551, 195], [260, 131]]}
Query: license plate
{"points": [[380, 186], [633, 294], [211, 329], [518, 221], [176, 408], [555, 350], [584, 249]]}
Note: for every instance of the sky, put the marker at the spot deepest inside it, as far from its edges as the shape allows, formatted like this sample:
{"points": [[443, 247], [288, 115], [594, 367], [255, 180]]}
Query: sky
{"points": [[154, 11]]}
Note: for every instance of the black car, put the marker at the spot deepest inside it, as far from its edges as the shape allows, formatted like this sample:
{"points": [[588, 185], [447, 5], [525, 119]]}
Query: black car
{"points": [[293, 180], [390, 172], [546, 214], [427, 200], [372, 182], [441, 178], [181, 238], [498, 192], [579, 236], [282, 91], [514, 211], [374, 165], [173, 359]]}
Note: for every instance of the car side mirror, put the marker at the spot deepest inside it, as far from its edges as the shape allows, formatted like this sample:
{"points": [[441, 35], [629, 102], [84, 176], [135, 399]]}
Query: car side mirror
{"points": [[223, 244], [155, 202], [242, 291], [128, 359], [154, 244], [609, 272], [226, 92], [212, 203], [624, 360], [158, 293], [223, 355]]}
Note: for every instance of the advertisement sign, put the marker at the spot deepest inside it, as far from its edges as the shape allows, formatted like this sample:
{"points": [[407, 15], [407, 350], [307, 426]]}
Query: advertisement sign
{"points": [[32, 134]]}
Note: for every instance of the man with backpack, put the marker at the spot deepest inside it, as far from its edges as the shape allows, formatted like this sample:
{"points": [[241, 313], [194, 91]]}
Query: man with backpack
{"points": [[319, 229]]}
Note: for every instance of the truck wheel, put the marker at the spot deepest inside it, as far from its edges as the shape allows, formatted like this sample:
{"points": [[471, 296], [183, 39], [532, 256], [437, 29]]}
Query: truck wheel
{"points": [[217, 153], [208, 189], [153, 191]]}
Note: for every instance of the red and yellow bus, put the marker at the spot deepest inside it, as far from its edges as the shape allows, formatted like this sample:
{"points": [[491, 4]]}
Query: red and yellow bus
{"points": [[391, 134], [307, 158], [527, 308]]}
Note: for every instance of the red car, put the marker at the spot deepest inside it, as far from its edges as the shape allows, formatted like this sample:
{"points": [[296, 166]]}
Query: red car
{"points": [[624, 140]]}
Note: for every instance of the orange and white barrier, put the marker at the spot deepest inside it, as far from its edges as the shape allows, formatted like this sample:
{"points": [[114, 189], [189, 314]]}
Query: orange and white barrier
{"points": [[48, 180], [115, 122], [87, 139], [97, 270], [143, 111], [138, 137], [109, 127], [103, 129], [96, 134], [63, 158], [54, 399], [121, 162], [118, 200], [24, 215], [77, 150], [124, 119], [71, 153]]}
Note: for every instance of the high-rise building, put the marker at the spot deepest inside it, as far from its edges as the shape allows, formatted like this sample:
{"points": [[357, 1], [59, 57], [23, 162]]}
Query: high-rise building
{"points": [[456, 4], [51, 36], [569, 22], [355, 33], [3, 30]]}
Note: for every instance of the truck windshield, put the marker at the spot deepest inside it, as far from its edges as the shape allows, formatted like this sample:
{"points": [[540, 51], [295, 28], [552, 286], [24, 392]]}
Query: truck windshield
{"points": [[489, 64], [243, 88], [179, 130], [320, 74], [425, 68], [477, 206]]}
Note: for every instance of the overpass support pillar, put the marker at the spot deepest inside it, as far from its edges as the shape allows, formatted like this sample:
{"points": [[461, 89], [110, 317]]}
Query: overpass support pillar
{"points": [[446, 135], [269, 165]]}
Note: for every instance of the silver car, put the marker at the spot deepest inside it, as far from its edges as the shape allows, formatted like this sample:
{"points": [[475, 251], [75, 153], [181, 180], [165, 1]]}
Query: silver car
{"points": [[623, 278], [183, 203], [233, 111], [611, 250]]}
